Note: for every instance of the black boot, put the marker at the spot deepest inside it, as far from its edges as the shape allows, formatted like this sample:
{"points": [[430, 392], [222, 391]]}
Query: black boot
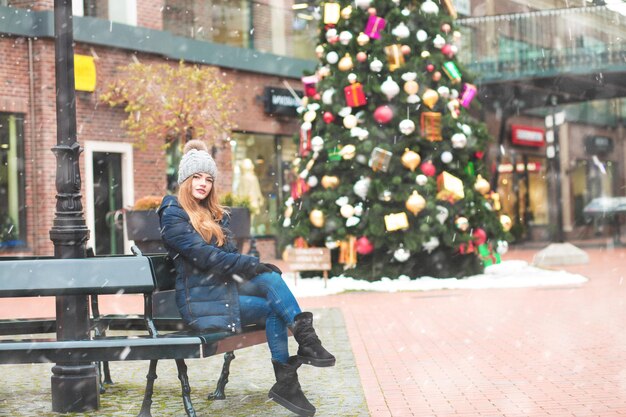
{"points": [[286, 391], [310, 350]]}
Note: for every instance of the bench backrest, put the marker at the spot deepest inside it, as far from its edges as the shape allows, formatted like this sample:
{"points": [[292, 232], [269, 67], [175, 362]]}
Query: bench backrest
{"points": [[27, 277], [164, 271]]}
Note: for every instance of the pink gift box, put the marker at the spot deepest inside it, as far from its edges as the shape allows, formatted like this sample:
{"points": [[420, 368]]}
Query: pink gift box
{"points": [[374, 26], [468, 94]]}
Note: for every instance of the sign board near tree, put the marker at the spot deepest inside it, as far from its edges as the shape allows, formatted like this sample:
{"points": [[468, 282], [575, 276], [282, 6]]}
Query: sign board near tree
{"points": [[309, 259]]}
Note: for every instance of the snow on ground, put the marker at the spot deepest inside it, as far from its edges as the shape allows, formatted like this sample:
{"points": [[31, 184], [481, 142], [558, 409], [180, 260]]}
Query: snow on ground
{"points": [[508, 274]]}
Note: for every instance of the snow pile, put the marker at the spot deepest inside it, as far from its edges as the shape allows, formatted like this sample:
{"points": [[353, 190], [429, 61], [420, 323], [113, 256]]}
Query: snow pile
{"points": [[508, 274]]}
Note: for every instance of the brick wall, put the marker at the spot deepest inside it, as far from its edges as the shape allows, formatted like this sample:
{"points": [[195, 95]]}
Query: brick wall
{"points": [[97, 121], [149, 14], [33, 5]]}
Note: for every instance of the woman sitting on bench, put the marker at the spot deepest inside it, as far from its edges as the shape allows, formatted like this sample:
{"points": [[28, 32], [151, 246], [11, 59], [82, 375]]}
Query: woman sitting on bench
{"points": [[220, 289]]}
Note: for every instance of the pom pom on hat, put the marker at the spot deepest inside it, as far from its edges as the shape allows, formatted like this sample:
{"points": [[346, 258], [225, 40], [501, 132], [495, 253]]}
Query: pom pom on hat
{"points": [[196, 159]]}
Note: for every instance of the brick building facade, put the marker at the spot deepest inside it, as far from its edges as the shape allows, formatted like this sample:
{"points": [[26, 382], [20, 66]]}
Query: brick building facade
{"points": [[27, 93]]}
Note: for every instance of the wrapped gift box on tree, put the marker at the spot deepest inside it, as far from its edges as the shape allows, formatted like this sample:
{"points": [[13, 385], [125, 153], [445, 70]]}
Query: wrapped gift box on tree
{"points": [[331, 13], [374, 26], [488, 255], [430, 122], [449, 187], [310, 83], [395, 58], [396, 221], [355, 97], [379, 161]]}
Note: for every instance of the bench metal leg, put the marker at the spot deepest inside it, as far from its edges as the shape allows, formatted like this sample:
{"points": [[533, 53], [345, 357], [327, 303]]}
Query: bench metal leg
{"points": [[184, 383], [104, 376], [147, 396], [220, 393]]}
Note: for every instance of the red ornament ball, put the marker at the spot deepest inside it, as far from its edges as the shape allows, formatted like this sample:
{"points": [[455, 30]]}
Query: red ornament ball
{"points": [[430, 67], [479, 236], [445, 28], [447, 50], [372, 11], [436, 76], [317, 96], [328, 117], [383, 114], [364, 246], [405, 49], [361, 56], [428, 168]]}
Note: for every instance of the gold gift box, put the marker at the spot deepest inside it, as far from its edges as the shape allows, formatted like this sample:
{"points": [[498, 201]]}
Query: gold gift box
{"points": [[449, 187], [396, 221]]}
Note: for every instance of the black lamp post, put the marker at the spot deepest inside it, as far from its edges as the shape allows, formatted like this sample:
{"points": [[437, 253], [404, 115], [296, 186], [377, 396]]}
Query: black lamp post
{"points": [[74, 385], [553, 155]]}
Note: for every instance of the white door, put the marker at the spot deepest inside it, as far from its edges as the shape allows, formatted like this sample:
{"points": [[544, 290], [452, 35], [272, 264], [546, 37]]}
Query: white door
{"points": [[109, 190]]}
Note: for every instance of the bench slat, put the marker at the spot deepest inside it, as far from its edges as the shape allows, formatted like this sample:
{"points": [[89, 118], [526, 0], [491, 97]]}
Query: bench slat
{"points": [[168, 346], [99, 275]]}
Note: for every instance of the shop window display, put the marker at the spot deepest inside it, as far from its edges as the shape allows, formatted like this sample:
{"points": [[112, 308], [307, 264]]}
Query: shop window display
{"points": [[256, 175], [12, 205], [591, 179], [523, 189], [221, 21]]}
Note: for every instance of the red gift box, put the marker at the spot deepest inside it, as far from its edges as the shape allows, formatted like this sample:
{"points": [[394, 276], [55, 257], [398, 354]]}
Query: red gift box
{"points": [[305, 142], [298, 188], [355, 96], [310, 83], [374, 26]]}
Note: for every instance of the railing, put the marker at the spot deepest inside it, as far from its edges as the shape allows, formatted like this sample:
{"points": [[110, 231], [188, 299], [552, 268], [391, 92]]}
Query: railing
{"points": [[543, 43]]}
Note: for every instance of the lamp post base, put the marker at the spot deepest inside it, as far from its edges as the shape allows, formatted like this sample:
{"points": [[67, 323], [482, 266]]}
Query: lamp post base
{"points": [[75, 388]]}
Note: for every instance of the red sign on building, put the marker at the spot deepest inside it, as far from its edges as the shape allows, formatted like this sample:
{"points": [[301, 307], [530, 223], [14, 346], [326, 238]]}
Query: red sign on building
{"points": [[527, 136]]}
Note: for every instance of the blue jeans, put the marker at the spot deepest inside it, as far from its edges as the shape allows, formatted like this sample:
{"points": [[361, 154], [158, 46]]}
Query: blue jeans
{"points": [[266, 299]]}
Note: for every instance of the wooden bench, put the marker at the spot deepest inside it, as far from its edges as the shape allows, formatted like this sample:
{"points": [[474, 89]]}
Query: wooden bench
{"points": [[152, 336]]}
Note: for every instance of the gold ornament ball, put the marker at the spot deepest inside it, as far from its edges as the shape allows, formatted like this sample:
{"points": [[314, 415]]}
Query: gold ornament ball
{"points": [[330, 181], [462, 223], [348, 152], [317, 218], [482, 185], [411, 87], [362, 39], [506, 222], [415, 203], [347, 211], [319, 51], [309, 116], [345, 63], [430, 97], [346, 12], [350, 121], [410, 159]]}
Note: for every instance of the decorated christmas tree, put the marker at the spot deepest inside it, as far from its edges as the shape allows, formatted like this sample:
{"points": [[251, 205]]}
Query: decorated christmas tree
{"points": [[391, 173]]}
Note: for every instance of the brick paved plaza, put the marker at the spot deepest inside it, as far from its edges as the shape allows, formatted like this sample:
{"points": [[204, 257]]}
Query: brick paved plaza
{"points": [[549, 351]]}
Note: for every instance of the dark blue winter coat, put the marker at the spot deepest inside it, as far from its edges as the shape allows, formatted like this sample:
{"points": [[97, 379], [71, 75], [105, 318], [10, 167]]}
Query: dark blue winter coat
{"points": [[207, 274]]}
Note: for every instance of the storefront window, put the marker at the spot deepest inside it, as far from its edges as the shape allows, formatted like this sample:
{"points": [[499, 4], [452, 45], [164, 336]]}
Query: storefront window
{"points": [[221, 21], [591, 179], [12, 187], [120, 11], [258, 162], [523, 189]]}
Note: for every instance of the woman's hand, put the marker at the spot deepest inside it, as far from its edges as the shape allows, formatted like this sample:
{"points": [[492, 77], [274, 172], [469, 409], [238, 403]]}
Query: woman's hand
{"points": [[274, 268], [264, 268]]}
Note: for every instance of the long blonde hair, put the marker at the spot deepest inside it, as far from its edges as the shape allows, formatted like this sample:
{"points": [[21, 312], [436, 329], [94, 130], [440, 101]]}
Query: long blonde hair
{"points": [[204, 214]]}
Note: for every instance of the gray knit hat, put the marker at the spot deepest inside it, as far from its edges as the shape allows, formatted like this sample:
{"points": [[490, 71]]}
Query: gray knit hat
{"points": [[196, 159]]}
